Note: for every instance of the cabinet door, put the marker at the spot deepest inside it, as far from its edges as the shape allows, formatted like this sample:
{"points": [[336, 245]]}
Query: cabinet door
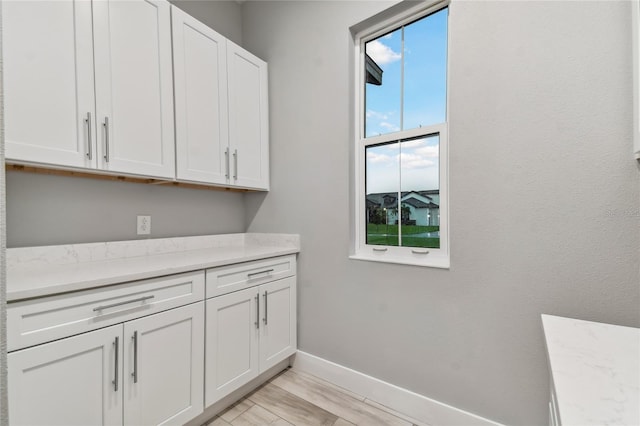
{"points": [[248, 118], [278, 316], [200, 78], [134, 86], [47, 56], [68, 382], [164, 367], [231, 343]]}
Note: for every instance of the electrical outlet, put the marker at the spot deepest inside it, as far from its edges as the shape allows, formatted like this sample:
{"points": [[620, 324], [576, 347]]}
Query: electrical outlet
{"points": [[144, 225]]}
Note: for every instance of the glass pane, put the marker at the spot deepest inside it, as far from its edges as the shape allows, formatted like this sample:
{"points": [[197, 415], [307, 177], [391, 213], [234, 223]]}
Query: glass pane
{"points": [[425, 71], [383, 89], [406, 77], [382, 184], [420, 192]]}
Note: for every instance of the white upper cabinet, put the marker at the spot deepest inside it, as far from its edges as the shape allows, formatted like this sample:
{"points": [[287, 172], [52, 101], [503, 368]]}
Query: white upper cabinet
{"points": [[134, 91], [221, 108], [90, 85], [48, 82], [200, 79], [248, 118], [51, 52]]}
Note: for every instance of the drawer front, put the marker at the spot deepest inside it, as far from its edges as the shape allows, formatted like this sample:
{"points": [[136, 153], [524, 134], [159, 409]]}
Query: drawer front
{"points": [[227, 279], [32, 322]]}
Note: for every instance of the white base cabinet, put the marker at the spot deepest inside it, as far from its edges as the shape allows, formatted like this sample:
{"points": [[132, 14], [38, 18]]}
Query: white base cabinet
{"points": [[232, 343], [143, 353], [69, 381], [278, 328], [164, 367], [248, 331], [147, 370]]}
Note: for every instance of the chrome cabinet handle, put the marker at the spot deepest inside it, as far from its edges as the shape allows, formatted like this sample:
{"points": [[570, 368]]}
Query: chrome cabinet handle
{"points": [[89, 141], [106, 139], [265, 307], [113, 305], [235, 164], [257, 323], [135, 357], [226, 156], [115, 378], [258, 273]]}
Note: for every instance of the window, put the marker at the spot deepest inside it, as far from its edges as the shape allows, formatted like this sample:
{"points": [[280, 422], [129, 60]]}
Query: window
{"points": [[401, 140]]}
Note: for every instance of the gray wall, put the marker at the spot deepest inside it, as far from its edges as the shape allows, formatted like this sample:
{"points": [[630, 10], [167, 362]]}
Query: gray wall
{"points": [[4, 409], [224, 16], [544, 197], [45, 210]]}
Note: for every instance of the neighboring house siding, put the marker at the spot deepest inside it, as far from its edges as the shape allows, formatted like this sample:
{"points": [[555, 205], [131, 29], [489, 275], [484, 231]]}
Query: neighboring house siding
{"points": [[424, 206]]}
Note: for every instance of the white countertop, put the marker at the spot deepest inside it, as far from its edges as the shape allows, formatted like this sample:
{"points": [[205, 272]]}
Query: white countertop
{"points": [[595, 370], [43, 271]]}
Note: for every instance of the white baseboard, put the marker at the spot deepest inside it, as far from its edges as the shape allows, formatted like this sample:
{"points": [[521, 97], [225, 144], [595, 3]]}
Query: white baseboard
{"points": [[402, 400]]}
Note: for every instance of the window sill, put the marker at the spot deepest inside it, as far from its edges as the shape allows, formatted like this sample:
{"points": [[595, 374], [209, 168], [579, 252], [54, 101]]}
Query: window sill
{"points": [[440, 262]]}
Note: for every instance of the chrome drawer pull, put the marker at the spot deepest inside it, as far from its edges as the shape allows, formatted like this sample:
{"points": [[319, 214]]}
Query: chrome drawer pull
{"points": [[235, 164], [226, 156], [106, 139], [265, 307], [266, 271], [115, 378], [140, 299], [257, 323], [89, 141], [135, 357]]}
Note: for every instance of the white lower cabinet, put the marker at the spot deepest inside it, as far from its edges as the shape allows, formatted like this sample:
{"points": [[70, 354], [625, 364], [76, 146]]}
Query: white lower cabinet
{"points": [[164, 367], [149, 352], [70, 381], [147, 371], [248, 332]]}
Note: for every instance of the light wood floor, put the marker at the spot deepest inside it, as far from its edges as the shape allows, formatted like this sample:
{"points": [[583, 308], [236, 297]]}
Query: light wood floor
{"points": [[295, 398]]}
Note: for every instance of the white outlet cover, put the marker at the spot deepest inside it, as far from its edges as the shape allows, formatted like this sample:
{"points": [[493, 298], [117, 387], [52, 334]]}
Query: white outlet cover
{"points": [[144, 225]]}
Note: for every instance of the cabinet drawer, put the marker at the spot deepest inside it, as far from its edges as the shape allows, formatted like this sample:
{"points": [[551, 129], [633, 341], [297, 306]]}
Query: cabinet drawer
{"points": [[231, 278], [32, 322]]}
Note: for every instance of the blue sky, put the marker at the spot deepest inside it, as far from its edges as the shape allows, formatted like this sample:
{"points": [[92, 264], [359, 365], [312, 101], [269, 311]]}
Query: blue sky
{"points": [[424, 61]]}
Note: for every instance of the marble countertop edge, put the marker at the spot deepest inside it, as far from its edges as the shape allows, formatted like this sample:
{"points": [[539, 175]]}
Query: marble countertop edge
{"points": [[595, 371], [39, 274]]}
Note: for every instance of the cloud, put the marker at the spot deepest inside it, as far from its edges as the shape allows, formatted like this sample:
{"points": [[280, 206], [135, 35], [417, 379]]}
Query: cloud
{"points": [[381, 53], [377, 115], [413, 143], [375, 158], [430, 151], [414, 161], [389, 126]]}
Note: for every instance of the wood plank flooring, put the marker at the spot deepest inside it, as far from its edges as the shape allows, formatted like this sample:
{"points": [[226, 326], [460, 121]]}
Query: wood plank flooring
{"points": [[294, 398]]}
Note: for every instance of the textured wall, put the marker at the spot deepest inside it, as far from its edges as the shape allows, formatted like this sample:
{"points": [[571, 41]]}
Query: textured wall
{"points": [[544, 197], [4, 417], [44, 210], [224, 16]]}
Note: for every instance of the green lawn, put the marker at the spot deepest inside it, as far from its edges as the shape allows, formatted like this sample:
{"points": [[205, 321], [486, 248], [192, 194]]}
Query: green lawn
{"points": [[388, 235]]}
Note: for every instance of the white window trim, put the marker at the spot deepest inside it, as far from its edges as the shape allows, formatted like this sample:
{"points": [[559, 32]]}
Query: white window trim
{"points": [[436, 258]]}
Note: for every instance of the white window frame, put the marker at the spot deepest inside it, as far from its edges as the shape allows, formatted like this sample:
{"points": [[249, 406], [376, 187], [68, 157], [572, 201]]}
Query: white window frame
{"points": [[437, 258]]}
